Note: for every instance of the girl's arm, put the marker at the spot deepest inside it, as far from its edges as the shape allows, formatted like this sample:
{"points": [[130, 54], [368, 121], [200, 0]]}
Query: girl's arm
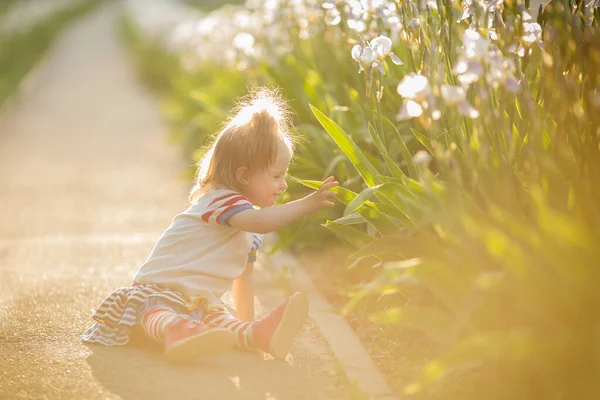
{"points": [[243, 294], [270, 219]]}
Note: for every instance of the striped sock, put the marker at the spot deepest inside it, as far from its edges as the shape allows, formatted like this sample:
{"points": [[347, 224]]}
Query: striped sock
{"points": [[242, 329], [155, 321]]}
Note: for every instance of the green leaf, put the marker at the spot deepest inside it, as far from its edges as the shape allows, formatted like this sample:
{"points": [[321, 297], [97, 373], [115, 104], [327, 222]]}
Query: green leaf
{"points": [[403, 199], [394, 168], [394, 212], [349, 234], [381, 222], [423, 139], [413, 172], [377, 140], [344, 195], [407, 246], [352, 219], [366, 170], [360, 199], [391, 179], [333, 164]]}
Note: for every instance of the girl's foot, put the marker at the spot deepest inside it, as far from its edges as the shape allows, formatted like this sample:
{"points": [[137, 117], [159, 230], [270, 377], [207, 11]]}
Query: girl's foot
{"points": [[187, 340], [275, 332]]}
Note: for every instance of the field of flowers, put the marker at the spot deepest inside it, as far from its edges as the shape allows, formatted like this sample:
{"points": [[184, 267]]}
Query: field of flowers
{"points": [[27, 28], [466, 138]]}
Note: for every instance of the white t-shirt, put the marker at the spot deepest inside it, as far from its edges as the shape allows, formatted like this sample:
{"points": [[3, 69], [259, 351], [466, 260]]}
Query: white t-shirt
{"points": [[200, 254]]}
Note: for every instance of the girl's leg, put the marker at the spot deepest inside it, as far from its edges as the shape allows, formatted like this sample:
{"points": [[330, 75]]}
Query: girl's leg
{"points": [[274, 333], [183, 339], [155, 321], [221, 318]]}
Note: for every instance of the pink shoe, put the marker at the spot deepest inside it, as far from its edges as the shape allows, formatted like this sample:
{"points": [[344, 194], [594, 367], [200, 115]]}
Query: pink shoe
{"points": [[186, 340], [275, 332]]}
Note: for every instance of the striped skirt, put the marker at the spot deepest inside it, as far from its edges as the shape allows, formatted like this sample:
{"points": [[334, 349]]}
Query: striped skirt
{"points": [[123, 309]]}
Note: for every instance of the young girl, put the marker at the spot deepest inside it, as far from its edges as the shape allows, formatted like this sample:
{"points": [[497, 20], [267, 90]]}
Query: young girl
{"points": [[210, 248]]}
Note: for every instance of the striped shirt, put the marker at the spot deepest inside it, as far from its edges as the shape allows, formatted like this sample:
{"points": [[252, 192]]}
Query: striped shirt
{"points": [[200, 254]]}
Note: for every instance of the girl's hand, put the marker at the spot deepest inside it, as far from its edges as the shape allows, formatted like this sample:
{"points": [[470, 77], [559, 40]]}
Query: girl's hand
{"points": [[319, 199]]}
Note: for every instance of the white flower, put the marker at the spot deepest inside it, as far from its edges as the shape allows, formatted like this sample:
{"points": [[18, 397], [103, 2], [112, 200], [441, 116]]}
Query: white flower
{"points": [[501, 72], [533, 32], [383, 47], [476, 46], [422, 158], [365, 56], [415, 87], [372, 54], [468, 10], [489, 9], [332, 17], [468, 71], [244, 42], [409, 109], [328, 4], [394, 24], [476, 49], [357, 25], [455, 96], [417, 94]]}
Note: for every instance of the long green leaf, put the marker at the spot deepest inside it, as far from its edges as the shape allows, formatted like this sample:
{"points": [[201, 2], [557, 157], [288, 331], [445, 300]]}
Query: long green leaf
{"points": [[403, 199], [349, 234], [407, 246], [377, 140], [395, 213], [360, 199], [333, 164], [352, 219], [394, 168], [423, 139], [344, 195], [366, 170], [413, 172]]}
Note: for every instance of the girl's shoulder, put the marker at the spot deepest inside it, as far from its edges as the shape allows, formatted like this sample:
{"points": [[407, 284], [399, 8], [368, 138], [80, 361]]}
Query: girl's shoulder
{"points": [[219, 205], [215, 195]]}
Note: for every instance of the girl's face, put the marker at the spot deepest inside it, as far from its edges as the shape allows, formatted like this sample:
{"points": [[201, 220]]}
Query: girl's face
{"points": [[264, 187]]}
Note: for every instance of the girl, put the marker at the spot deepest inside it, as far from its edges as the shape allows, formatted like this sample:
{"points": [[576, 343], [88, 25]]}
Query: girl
{"points": [[210, 248]]}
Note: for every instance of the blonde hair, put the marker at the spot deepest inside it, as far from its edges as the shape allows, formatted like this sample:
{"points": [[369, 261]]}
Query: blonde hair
{"points": [[249, 139]]}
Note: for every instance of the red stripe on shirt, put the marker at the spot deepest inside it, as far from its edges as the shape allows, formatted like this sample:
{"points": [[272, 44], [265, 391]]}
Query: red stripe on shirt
{"points": [[208, 214], [234, 200], [222, 197]]}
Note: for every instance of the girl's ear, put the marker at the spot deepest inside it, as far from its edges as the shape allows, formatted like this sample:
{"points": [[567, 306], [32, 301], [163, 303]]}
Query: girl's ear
{"points": [[242, 176]]}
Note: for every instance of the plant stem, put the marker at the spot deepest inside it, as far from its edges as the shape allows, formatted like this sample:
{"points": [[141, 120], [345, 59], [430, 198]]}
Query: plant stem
{"points": [[381, 132]]}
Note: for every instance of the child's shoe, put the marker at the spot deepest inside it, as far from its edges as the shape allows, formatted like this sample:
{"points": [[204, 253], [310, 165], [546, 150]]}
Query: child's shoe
{"points": [[186, 340], [275, 332]]}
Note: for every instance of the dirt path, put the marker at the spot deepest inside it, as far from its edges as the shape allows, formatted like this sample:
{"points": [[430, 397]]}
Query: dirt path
{"points": [[87, 184]]}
